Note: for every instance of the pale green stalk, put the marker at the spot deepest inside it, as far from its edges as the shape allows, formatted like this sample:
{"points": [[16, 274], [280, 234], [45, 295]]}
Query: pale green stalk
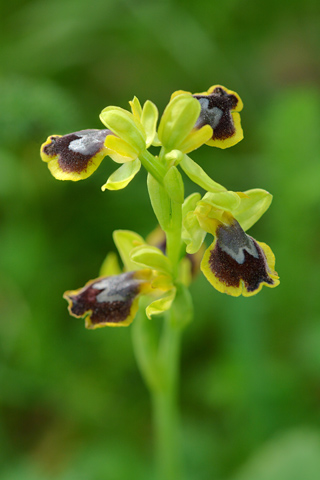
{"points": [[158, 357]]}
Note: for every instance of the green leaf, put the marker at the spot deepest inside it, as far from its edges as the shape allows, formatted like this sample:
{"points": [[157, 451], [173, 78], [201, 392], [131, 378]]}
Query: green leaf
{"points": [[160, 202], [199, 176], [151, 257], [252, 206], [126, 241], [149, 118], [173, 184], [177, 120], [294, 455], [121, 177], [162, 304]]}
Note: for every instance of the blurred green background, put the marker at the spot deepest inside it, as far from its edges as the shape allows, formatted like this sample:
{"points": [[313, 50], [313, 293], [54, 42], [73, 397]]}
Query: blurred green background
{"points": [[73, 405]]}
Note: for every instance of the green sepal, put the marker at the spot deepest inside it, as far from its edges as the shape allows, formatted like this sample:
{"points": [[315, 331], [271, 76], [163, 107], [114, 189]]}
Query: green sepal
{"points": [[160, 202], [173, 184], [125, 125], [178, 120], [199, 176], [228, 201], [122, 176], [192, 234], [253, 204], [149, 118], [151, 257], [182, 308], [126, 241], [110, 266], [119, 150], [162, 304]]}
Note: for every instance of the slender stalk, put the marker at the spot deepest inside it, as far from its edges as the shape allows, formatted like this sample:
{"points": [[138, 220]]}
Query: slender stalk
{"points": [[173, 236], [165, 408], [158, 353], [158, 360], [152, 166]]}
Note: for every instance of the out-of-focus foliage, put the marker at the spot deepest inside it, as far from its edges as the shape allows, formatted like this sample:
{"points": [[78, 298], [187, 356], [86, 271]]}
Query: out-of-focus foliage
{"points": [[72, 403]]}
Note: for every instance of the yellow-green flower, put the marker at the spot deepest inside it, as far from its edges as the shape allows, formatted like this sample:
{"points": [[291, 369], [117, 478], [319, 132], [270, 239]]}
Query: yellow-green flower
{"points": [[176, 129], [237, 264], [109, 301], [112, 299], [75, 156], [220, 109]]}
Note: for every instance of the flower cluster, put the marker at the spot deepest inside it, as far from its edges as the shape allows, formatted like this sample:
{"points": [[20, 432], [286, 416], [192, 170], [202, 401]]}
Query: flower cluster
{"points": [[235, 263]]}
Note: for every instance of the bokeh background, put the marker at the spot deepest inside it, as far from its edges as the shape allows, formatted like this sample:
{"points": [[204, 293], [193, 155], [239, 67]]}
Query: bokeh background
{"points": [[73, 405]]}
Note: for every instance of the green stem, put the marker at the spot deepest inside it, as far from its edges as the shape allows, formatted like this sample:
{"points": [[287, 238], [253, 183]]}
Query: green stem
{"points": [[173, 236], [158, 360], [152, 165], [165, 408], [157, 352]]}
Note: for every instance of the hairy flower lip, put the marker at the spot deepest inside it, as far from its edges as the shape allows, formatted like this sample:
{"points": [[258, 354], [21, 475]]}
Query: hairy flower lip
{"points": [[235, 263], [220, 109], [75, 156], [111, 300]]}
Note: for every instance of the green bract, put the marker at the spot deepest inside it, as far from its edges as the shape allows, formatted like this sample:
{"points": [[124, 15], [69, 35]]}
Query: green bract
{"points": [[173, 184], [160, 202]]}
